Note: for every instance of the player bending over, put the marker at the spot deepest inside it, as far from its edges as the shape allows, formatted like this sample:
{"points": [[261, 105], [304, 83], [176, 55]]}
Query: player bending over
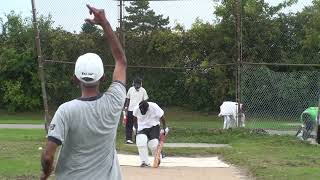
{"points": [[148, 115]]}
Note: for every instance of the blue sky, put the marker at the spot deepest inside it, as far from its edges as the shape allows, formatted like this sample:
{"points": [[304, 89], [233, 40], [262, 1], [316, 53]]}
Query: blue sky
{"points": [[71, 13]]}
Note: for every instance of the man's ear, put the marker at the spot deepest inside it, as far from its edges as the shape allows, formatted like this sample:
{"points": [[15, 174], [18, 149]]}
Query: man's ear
{"points": [[103, 78]]}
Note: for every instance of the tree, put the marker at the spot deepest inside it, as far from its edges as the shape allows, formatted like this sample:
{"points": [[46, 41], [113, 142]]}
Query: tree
{"points": [[20, 86], [89, 28], [308, 28], [142, 20], [263, 29]]}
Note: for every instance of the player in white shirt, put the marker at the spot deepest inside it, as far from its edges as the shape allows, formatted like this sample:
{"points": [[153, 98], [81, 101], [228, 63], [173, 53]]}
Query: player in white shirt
{"points": [[135, 95], [229, 111], [148, 116]]}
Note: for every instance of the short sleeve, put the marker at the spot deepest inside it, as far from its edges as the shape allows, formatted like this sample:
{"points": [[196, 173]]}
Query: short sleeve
{"points": [[58, 128], [117, 93], [145, 95], [135, 111], [159, 111]]}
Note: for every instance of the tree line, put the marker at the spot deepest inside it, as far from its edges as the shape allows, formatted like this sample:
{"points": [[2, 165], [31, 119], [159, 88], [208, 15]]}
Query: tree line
{"points": [[269, 35]]}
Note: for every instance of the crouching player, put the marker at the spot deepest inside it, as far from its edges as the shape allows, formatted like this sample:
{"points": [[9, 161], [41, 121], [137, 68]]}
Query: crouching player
{"points": [[148, 116]]}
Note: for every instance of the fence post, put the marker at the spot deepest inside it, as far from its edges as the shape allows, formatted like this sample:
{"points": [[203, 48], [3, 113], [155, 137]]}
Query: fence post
{"points": [[318, 123], [239, 57], [40, 65]]}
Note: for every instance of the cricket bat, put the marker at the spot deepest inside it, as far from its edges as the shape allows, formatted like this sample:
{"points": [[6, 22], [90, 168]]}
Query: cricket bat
{"points": [[157, 156], [124, 119]]}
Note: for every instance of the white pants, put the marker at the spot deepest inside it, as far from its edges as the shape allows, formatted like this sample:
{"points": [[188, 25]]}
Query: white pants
{"points": [[143, 144], [242, 120], [229, 122]]}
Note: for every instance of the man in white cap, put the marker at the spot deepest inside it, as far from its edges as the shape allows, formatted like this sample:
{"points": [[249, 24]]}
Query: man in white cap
{"points": [[86, 127]]}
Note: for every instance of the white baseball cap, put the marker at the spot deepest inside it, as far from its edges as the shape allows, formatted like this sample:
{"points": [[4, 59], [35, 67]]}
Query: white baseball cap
{"points": [[89, 68]]}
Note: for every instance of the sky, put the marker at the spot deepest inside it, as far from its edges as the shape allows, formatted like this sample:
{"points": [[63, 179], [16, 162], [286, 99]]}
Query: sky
{"points": [[70, 13]]}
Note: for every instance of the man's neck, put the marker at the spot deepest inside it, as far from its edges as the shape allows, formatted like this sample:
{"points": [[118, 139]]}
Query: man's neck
{"points": [[90, 91], [137, 89]]}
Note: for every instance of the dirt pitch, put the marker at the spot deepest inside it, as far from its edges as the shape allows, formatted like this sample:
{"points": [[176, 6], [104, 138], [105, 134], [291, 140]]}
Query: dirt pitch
{"points": [[180, 173]]}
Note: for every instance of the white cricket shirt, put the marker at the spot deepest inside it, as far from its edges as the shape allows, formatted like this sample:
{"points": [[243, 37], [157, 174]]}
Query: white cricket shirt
{"points": [[151, 118], [136, 97]]}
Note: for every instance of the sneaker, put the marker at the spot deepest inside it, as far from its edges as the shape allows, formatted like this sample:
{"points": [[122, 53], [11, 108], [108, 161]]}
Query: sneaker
{"points": [[129, 142], [144, 165], [162, 155]]}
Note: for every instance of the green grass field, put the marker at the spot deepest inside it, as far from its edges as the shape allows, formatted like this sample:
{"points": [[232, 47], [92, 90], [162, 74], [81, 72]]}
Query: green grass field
{"points": [[21, 118], [264, 157], [177, 117]]}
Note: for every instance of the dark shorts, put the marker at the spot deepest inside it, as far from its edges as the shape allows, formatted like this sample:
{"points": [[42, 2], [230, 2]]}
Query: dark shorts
{"points": [[151, 133]]}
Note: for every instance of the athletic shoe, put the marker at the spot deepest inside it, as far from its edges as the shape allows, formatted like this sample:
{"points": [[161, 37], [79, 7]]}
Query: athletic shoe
{"points": [[162, 155], [144, 165], [129, 142]]}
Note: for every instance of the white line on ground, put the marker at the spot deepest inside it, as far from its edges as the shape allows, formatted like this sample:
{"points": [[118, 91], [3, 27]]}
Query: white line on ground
{"points": [[21, 126], [133, 160]]}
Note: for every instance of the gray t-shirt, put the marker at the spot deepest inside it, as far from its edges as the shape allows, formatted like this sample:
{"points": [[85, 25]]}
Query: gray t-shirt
{"points": [[87, 128]]}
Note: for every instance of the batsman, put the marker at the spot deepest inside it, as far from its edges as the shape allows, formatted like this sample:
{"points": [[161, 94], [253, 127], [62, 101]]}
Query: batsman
{"points": [[149, 117]]}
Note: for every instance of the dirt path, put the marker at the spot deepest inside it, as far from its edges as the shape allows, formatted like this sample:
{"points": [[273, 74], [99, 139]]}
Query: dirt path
{"points": [[180, 173]]}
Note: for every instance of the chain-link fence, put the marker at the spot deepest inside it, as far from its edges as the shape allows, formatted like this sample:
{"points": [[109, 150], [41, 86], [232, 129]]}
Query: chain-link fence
{"points": [[275, 100], [194, 88], [280, 69], [179, 91]]}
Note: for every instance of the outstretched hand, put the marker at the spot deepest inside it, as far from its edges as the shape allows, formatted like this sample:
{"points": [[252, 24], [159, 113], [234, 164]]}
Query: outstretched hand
{"points": [[99, 16]]}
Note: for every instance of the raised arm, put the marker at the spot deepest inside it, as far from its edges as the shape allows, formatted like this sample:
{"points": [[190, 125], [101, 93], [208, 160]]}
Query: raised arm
{"points": [[119, 73]]}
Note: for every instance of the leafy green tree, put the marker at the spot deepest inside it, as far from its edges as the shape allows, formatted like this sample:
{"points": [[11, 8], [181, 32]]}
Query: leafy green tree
{"points": [[89, 28], [142, 20], [308, 28], [264, 29], [20, 87]]}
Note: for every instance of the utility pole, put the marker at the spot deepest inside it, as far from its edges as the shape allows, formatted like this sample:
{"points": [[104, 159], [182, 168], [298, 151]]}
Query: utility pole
{"points": [[239, 57], [121, 28], [40, 70]]}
